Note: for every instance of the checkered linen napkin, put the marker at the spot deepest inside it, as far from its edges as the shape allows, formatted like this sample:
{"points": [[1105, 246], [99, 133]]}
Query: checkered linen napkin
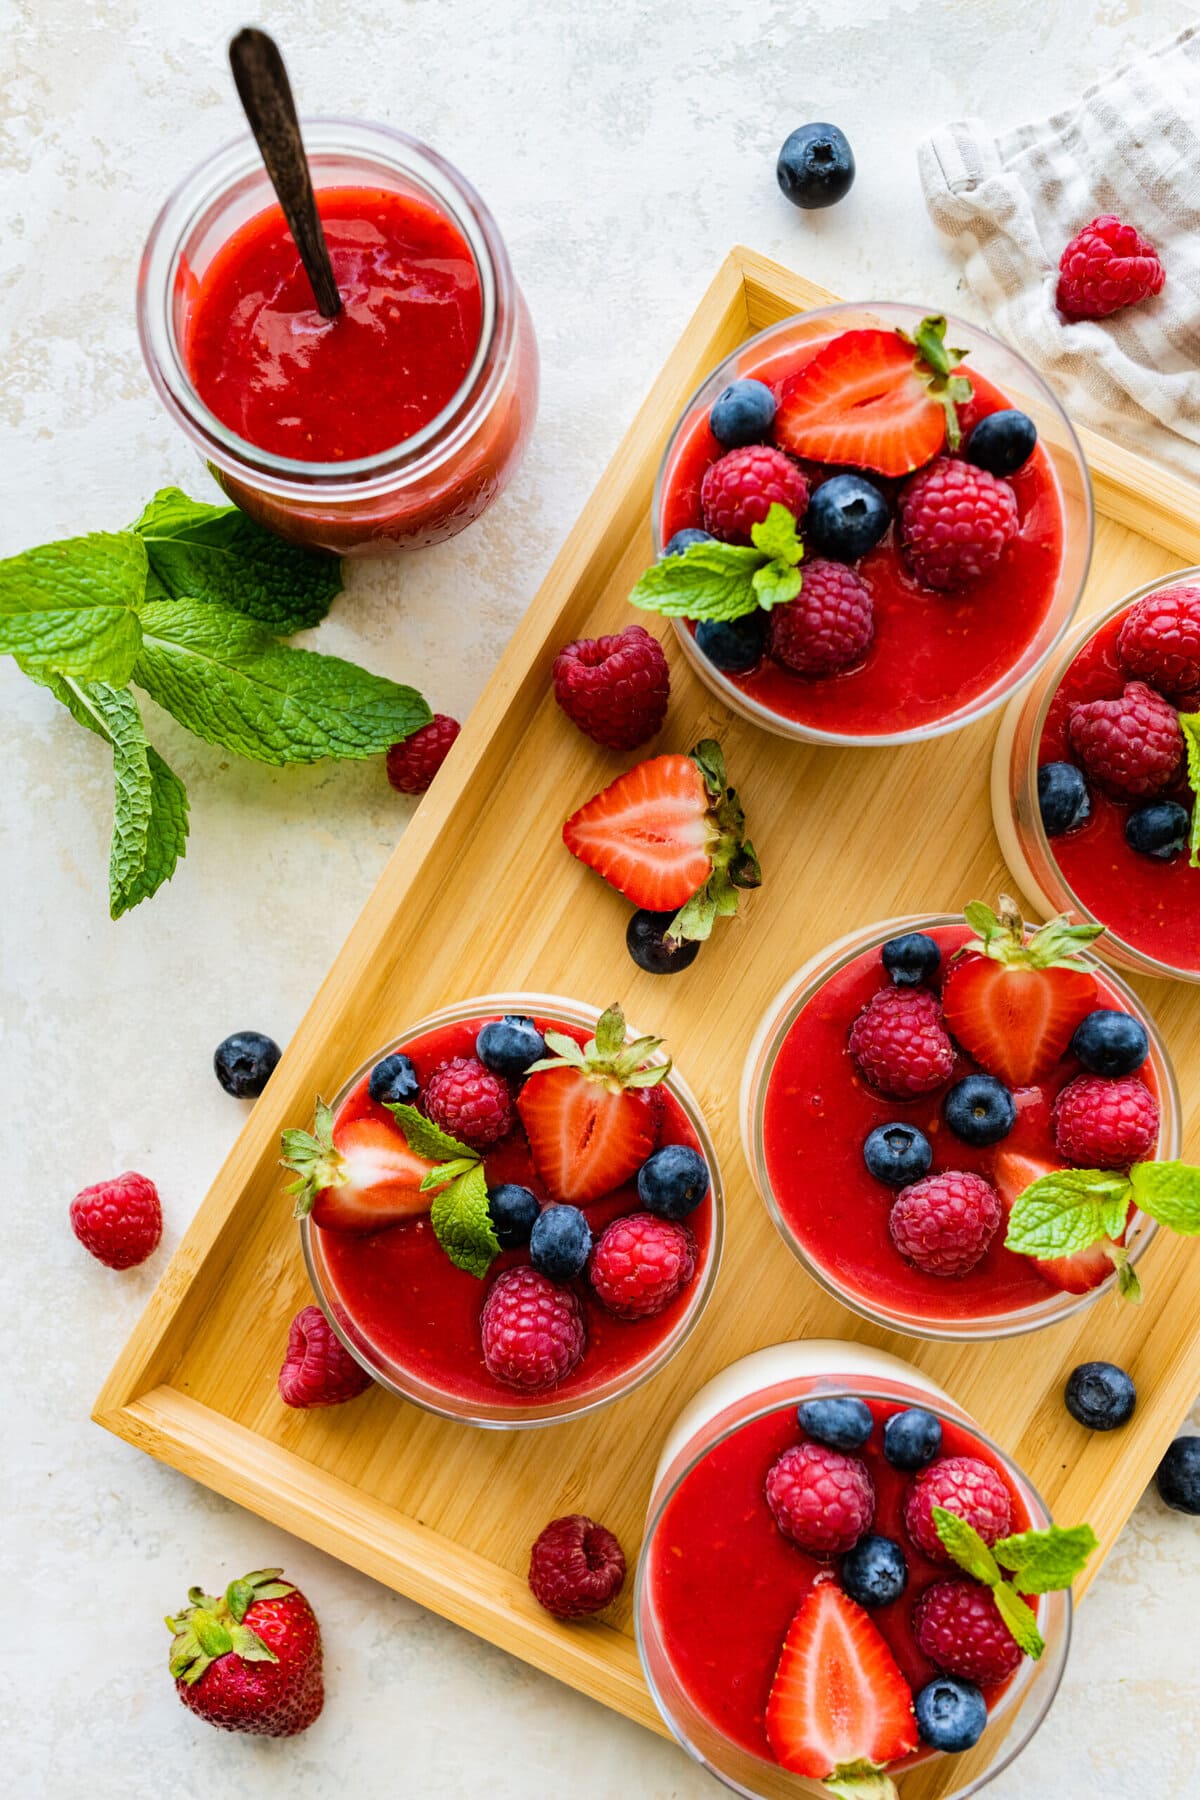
{"points": [[1130, 146]]}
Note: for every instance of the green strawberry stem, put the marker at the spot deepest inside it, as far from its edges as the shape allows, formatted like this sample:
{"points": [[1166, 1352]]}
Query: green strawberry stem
{"points": [[1001, 936], [313, 1159], [950, 390], [735, 864], [606, 1058], [860, 1781], [209, 1628]]}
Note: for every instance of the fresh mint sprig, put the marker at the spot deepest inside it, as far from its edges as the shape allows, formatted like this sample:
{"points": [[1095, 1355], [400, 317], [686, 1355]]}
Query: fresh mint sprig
{"points": [[460, 1215], [721, 582], [1069, 1210], [1040, 1561], [1190, 726]]}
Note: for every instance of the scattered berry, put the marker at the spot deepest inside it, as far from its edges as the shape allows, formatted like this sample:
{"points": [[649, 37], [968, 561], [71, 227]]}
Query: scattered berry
{"points": [[980, 1110], [821, 1499], [1177, 1477], [875, 1572], [509, 1045], [839, 1424], [955, 523], [1100, 1396], [221, 1672], [735, 646], [412, 764], [514, 1211], [964, 1485], [641, 1264], [945, 1223], [560, 1242], [1159, 641], [684, 539], [847, 516], [912, 958], [1102, 1124], [742, 413], [317, 1369], [1133, 744], [1105, 267], [469, 1102], [652, 949], [815, 167], [898, 1154], [958, 1627], [243, 1063], [1002, 442], [1160, 830], [828, 626], [1110, 1042], [576, 1567], [951, 1714], [673, 1181], [899, 1043], [1063, 798], [533, 1331], [394, 1081], [838, 1701], [614, 688], [119, 1221], [740, 488], [912, 1438]]}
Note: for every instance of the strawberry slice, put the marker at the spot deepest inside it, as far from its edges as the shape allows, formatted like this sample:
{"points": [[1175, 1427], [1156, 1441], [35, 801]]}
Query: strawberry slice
{"points": [[839, 1708], [357, 1177], [669, 836], [876, 399], [591, 1112], [1014, 1004], [1078, 1274]]}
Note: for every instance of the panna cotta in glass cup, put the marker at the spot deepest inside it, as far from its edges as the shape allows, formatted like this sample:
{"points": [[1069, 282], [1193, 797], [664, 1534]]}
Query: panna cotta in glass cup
{"points": [[915, 1079], [945, 520], [797, 1612], [512, 1213], [1095, 776]]}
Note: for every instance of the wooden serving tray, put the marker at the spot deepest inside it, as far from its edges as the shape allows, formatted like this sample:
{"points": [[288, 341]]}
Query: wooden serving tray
{"points": [[481, 896]]}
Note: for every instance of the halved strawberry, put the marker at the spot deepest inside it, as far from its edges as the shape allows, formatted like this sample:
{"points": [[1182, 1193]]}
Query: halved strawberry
{"points": [[839, 1708], [591, 1112], [876, 399], [1014, 1004], [1078, 1274], [669, 836], [356, 1177]]}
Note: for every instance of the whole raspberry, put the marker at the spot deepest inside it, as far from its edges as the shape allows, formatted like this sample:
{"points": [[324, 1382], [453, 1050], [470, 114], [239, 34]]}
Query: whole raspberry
{"points": [[964, 1485], [1106, 266], [533, 1330], [413, 763], [641, 1263], [575, 1567], [1160, 641], [740, 488], [1101, 1124], [955, 521], [945, 1223], [959, 1628], [317, 1369], [828, 626], [1133, 744], [900, 1044], [614, 688], [820, 1498], [119, 1221], [469, 1102]]}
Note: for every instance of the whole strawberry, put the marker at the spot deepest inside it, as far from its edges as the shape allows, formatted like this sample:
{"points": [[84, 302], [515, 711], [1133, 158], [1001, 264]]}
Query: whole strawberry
{"points": [[614, 688], [1133, 744], [828, 626], [1105, 267], [740, 488], [900, 1045], [250, 1660], [1159, 642], [1103, 1124], [118, 1221], [955, 522], [413, 763]]}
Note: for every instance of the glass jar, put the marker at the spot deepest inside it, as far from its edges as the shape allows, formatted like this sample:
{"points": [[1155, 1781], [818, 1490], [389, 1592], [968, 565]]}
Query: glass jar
{"points": [[424, 489]]}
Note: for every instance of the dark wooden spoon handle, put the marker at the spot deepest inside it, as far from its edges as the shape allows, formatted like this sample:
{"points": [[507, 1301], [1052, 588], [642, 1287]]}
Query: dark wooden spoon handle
{"points": [[266, 95]]}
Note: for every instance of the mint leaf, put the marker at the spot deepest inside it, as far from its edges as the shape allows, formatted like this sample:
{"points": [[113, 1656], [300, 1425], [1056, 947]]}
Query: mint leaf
{"points": [[709, 581], [1170, 1193], [1065, 1212], [220, 554], [776, 536], [1190, 726], [462, 1223], [1043, 1561], [425, 1138], [228, 680], [1019, 1618], [775, 584], [965, 1545], [71, 607]]}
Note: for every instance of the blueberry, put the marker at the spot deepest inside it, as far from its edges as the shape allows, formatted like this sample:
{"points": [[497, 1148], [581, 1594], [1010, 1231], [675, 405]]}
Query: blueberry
{"points": [[1159, 830], [1002, 442], [1063, 798], [912, 1438], [816, 166], [690, 534], [742, 413], [394, 1081], [846, 517], [1100, 1395], [560, 1242], [841, 1424], [1112, 1043], [980, 1110], [509, 1045], [951, 1714], [514, 1213], [673, 1181], [898, 1154], [735, 645], [1178, 1476], [646, 941], [875, 1572], [243, 1063], [911, 959]]}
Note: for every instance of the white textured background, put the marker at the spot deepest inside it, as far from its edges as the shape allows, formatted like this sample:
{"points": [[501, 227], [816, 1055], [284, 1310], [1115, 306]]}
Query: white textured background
{"points": [[624, 145]]}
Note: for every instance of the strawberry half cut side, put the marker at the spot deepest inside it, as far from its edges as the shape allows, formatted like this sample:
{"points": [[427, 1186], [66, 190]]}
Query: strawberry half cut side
{"points": [[875, 399], [1086, 1269], [357, 1177], [839, 1709], [1013, 1003], [670, 836]]}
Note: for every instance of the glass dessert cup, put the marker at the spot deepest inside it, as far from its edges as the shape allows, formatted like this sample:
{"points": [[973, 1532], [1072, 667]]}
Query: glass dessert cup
{"points": [[770, 1382], [1139, 884], [960, 699], [425, 488], [630, 1352], [1004, 1296]]}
